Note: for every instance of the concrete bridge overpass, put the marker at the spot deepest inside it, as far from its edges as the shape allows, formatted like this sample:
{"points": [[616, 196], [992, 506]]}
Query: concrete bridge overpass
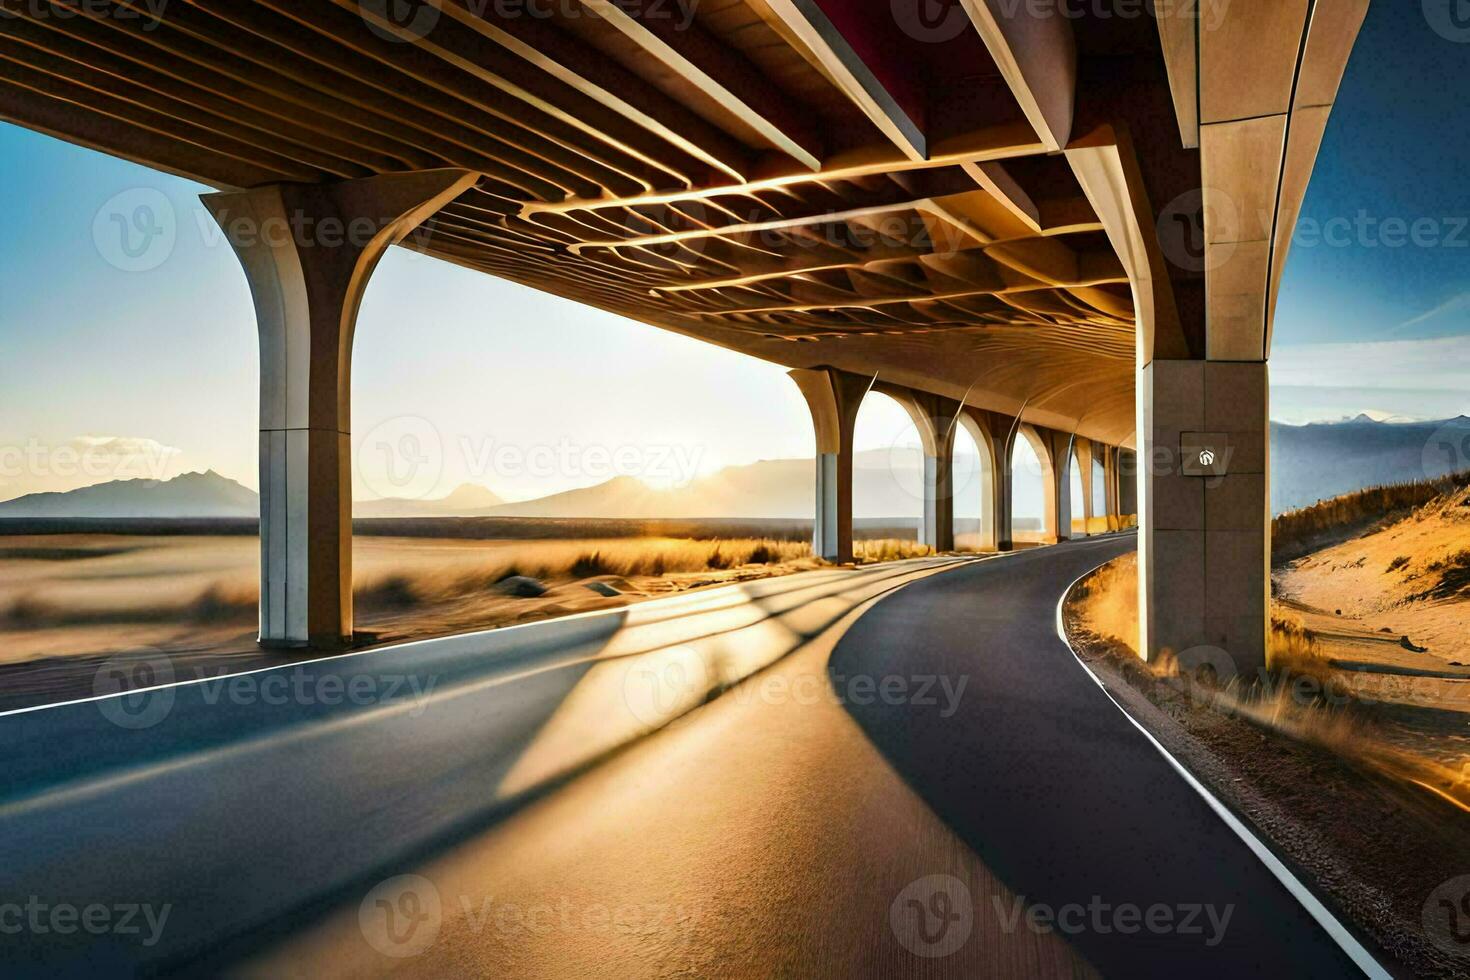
{"points": [[1072, 224]]}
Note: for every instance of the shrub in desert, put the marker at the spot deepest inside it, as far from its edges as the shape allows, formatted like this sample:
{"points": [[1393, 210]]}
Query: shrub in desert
{"points": [[28, 611], [225, 603], [1453, 577], [589, 565], [389, 592]]}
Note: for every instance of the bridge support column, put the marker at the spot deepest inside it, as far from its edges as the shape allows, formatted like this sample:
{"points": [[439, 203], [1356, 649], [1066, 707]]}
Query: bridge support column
{"points": [[1125, 485], [834, 399], [1058, 519], [1204, 550], [308, 251], [1086, 449], [938, 529], [1112, 487], [1003, 489]]}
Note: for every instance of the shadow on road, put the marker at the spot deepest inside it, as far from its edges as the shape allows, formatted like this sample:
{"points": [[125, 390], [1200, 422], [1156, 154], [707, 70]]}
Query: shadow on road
{"points": [[1042, 776]]}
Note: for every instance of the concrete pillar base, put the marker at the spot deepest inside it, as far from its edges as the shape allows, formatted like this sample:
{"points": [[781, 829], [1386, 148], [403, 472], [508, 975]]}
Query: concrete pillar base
{"points": [[938, 528], [307, 252], [834, 398], [1204, 550], [825, 533], [1056, 465]]}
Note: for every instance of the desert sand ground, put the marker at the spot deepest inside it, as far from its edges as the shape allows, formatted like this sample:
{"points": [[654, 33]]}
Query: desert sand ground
{"points": [[70, 602], [1369, 648], [1391, 605]]}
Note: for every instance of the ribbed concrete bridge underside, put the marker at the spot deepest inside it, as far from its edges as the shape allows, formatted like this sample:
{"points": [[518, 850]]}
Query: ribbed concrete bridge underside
{"points": [[1066, 221], [814, 183]]}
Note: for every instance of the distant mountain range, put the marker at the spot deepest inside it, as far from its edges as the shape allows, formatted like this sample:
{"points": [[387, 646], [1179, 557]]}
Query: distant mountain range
{"points": [[189, 495], [466, 499], [1313, 462], [885, 485], [1309, 462]]}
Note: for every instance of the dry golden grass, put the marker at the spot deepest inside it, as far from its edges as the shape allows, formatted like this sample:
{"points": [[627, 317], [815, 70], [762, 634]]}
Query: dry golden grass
{"points": [[569, 561], [1290, 638], [1297, 532], [392, 574], [218, 603], [889, 549], [1108, 601], [1106, 604]]}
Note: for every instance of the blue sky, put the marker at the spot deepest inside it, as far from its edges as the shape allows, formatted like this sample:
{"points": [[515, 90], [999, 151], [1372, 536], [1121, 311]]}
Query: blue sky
{"points": [[1370, 317], [162, 362]]}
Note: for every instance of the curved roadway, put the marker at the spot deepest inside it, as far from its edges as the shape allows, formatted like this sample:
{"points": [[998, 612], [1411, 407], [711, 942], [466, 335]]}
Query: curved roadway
{"points": [[1058, 793], [816, 777], [1015, 826]]}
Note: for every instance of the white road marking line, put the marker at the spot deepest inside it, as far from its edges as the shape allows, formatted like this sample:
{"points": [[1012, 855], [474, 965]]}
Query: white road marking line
{"points": [[1329, 922]]}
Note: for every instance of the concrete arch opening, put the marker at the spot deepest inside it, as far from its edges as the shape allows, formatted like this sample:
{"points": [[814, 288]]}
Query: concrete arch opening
{"points": [[973, 476], [1033, 492], [888, 479], [1080, 513]]}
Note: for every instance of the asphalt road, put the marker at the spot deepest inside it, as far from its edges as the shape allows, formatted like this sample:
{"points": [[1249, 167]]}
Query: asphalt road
{"points": [[816, 777], [1056, 791], [223, 808]]}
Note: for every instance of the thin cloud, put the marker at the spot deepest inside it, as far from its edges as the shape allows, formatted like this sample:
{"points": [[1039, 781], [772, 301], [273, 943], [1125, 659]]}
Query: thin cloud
{"points": [[125, 457], [1440, 363], [123, 446], [1451, 305]]}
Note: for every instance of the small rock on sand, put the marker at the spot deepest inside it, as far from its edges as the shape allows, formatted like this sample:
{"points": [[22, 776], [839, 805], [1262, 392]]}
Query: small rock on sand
{"points": [[521, 586], [603, 588]]}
